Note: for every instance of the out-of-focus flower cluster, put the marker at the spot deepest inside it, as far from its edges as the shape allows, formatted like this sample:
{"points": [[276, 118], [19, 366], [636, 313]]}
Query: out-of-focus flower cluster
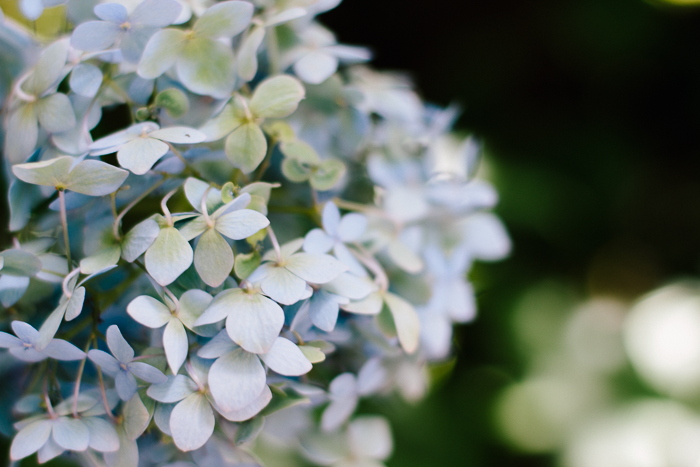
{"points": [[608, 384], [232, 228]]}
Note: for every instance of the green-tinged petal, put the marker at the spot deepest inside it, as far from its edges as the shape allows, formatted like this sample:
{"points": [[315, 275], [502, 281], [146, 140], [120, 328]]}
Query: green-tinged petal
{"points": [[404, 257], [149, 311], [19, 263], [192, 305], [103, 259], [194, 191], [49, 67], [175, 344], [95, 178], [169, 256], [103, 436], [295, 171], [301, 151], [220, 307], [127, 455], [283, 286], [236, 380], [53, 172], [30, 439], [318, 269], [277, 97], [230, 118], [327, 175], [406, 321], [351, 286], [192, 422], [246, 147], [370, 305], [254, 322], [194, 228], [241, 224], [245, 264], [12, 289], [207, 67], [48, 330], [173, 101], [285, 358], [139, 154], [161, 52], [225, 19], [75, 304], [136, 417], [21, 133], [139, 239], [313, 354], [247, 57], [55, 113], [213, 258]]}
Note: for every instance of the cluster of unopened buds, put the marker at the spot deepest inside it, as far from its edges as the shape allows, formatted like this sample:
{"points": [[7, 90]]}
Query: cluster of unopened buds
{"points": [[156, 154]]}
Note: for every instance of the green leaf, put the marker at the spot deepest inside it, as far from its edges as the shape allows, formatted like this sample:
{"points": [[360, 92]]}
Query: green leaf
{"points": [[95, 178], [327, 175], [277, 97], [246, 147], [173, 101], [295, 171], [246, 264], [206, 66], [300, 151], [169, 256], [213, 258], [53, 172], [248, 430]]}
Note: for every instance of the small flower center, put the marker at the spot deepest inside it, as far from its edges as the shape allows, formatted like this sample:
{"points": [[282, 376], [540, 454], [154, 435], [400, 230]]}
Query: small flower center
{"points": [[123, 366], [125, 26]]}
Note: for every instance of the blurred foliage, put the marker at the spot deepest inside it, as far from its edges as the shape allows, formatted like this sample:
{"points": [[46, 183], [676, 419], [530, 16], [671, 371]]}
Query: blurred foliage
{"points": [[589, 110]]}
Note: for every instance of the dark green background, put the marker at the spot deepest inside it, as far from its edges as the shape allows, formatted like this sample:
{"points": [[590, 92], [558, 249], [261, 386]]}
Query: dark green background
{"points": [[589, 110]]}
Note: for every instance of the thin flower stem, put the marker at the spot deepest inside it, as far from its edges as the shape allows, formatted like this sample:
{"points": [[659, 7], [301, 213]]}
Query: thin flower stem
{"points": [[172, 297], [76, 391], [117, 221], [266, 161], [64, 223], [113, 197], [179, 155], [373, 265], [275, 243], [47, 400], [102, 387], [164, 207]]}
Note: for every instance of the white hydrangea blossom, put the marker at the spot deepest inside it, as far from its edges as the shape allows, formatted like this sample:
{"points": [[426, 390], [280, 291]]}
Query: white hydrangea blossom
{"points": [[219, 235]]}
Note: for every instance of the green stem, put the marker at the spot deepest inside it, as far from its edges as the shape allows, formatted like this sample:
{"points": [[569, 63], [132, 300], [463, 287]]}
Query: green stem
{"points": [[189, 166], [266, 161], [76, 391], [64, 223]]}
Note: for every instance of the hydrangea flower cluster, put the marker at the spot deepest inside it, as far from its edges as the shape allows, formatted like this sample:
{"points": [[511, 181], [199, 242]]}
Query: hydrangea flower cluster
{"points": [[233, 228]]}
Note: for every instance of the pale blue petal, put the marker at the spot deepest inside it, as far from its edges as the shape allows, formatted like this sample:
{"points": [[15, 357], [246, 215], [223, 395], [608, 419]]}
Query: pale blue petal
{"points": [[175, 344], [109, 364], [55, 113], [95, 35], [114, 12], [351, 227], [331, 218], [125, 384], [12, 288], [175, 389], [250, 410], [317, 269], [236, 379], [347, 258], [49, 451], [254, 322], [103, 436], [219, 345], [63, 350], [134, 42], [30, 439], [146, 372], [317, 241], [71, 434], [282, 286], [25, 332], [192, 422], [27, 354], [323, 310], [157, 13], [118, 345], [8, 341], [85, 79]]}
